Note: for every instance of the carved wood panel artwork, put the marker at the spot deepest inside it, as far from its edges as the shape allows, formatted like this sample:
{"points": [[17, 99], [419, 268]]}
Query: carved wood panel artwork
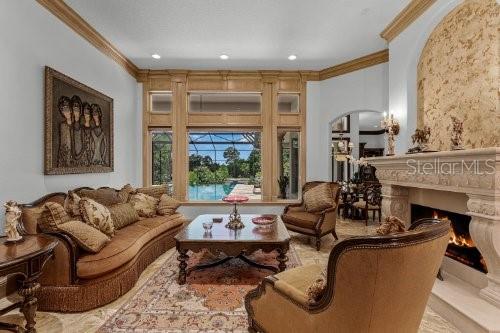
{"points": [[458, 76], [78, 127]]}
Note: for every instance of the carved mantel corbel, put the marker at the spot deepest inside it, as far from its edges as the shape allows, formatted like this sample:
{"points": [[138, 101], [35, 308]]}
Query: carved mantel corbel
{"points": [[485, 232]]}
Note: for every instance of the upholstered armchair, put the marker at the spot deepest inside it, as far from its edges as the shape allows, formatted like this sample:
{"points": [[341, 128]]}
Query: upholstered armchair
{"points": [[373, 284], [317, 224]]}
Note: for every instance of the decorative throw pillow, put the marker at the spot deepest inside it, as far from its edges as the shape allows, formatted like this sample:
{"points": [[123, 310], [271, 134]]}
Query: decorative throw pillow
{"points": [[155, 191], [88, 238], [72, 204], [316, 290], [318, 198], [167, 205], [125, 192], [97, 216], [105, 196], [144, 204], [52, 215], [391, 225], [123, 214]]}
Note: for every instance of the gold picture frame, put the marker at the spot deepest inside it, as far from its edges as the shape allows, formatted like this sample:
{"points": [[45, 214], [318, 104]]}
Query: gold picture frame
{"points": [[78, 127]]}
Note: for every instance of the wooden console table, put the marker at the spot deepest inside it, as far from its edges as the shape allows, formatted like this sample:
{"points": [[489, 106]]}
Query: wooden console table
{"points": [[25, 259]]}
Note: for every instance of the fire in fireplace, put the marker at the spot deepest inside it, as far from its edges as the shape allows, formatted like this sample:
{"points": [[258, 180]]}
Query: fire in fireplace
{"points": [[461, 246]]}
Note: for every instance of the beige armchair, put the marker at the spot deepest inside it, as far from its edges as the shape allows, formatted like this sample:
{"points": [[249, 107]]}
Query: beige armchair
{"points": [[297, 219], [374, 284]]}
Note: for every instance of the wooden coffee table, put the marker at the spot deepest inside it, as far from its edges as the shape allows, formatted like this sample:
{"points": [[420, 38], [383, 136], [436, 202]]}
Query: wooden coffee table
{"points": [[233, 243]]}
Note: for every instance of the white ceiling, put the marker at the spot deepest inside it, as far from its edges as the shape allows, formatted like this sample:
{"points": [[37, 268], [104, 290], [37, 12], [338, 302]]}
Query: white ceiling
{"points": [[256, 34]]}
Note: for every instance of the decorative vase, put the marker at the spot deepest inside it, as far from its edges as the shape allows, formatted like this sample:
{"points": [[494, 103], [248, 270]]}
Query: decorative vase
{"points": [[235, 222]]}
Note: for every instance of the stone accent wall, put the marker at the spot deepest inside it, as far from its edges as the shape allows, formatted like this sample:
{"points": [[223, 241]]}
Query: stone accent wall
{"points": [[458, 75]]}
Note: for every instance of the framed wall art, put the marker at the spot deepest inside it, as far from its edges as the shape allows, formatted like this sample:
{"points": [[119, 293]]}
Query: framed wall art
{"points": [[78, 127]]}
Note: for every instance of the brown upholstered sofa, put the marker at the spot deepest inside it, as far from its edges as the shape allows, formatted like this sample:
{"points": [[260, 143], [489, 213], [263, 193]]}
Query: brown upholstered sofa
{"points": [[75, 280], [373, 284]]}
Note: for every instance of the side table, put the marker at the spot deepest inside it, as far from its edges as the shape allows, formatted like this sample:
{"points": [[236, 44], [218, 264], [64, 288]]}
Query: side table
{"points": [[26, 260]]}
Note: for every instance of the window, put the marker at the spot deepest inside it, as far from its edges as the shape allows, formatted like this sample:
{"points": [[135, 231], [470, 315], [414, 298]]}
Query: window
{"points": [[224, 102], [224, 162], [289, 157], [214, 133], [288, 103], [161, 157], [161, 102]]}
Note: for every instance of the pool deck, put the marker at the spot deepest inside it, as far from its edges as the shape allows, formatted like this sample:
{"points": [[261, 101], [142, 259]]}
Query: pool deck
{"points": [[247, 190]]}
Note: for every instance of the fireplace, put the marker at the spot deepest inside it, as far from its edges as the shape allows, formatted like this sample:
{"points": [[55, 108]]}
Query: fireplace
{"points": [[460, 247]]}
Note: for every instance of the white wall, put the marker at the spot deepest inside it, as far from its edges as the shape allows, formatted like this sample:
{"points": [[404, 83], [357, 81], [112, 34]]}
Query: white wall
{"points": [[404, 54], [30, 38], [316, 141], [366, 89]]}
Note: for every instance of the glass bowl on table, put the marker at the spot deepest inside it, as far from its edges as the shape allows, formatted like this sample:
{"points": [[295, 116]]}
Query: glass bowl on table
{"points": [[264, 222]]}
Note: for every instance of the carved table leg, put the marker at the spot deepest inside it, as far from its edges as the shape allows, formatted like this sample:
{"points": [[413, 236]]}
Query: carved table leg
{"points": [[30, 303], [183, 258], [282, 259]]}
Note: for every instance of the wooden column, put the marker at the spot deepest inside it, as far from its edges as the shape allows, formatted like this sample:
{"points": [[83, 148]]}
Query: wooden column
{"points": [[146, 144], [267, 136], [180, 159], [303, 138]]}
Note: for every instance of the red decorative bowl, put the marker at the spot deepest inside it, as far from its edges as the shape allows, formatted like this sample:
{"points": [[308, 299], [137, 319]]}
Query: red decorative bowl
{"points": [[235, 199], [264, 220]]}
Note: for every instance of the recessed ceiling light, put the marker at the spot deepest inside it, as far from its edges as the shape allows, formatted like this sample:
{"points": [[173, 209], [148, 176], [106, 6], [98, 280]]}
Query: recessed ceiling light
{"points": [[292, 57], [224, 56], [156, 56]]}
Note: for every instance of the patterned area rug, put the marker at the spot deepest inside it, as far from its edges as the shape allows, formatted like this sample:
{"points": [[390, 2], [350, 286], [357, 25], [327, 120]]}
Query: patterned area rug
{"points": [[212, 300]]}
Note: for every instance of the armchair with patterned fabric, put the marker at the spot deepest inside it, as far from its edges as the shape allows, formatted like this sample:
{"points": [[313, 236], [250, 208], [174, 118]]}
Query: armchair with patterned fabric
{"points": [[316, 214], [371, 284]]}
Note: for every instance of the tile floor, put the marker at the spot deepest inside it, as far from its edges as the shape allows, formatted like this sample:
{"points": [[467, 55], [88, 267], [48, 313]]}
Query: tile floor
{"points": [[90, 321]]}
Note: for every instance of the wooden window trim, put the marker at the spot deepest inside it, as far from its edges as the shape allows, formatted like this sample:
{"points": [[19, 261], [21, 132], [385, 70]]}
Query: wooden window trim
{"points": [[267, 121]]}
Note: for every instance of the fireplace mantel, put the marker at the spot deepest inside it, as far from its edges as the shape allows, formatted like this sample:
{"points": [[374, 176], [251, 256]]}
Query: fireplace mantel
{"points": [[475, 172]]}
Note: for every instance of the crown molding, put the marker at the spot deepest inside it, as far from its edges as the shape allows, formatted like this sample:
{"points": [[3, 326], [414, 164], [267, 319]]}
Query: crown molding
{"points": [[406, 17], [71, 18], [304, 75], [354, 65]]}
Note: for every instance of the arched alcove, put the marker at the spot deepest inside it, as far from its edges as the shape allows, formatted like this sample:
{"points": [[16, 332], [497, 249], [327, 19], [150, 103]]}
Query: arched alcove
{"points": [[361, 127], [457, 76]]}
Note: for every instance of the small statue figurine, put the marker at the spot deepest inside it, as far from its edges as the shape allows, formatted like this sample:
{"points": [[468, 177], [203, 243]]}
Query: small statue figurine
{"points": [[456, 134], [421, 139], [391, 127], [12, 215]]}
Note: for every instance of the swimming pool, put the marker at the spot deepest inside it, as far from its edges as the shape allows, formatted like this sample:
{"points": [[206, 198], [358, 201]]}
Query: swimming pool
{"points": [[209, 192]]}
